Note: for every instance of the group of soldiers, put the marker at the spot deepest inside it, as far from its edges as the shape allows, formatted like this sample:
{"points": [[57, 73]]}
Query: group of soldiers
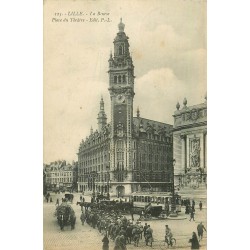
{"points": [[113, 225], [118, 228]]}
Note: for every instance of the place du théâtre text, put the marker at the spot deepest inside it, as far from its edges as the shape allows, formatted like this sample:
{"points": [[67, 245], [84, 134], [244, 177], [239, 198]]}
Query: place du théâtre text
{"points": [[81, 16]]}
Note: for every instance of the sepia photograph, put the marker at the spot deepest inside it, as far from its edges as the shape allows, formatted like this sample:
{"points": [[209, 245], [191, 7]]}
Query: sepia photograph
{"points": [[124, 124]]}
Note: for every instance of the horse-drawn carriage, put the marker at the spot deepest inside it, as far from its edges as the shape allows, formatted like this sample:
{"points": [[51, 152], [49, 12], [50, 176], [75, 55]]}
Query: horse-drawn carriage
{"points": [[69, 197], [65, 216], [102, 197], [151, 211]]}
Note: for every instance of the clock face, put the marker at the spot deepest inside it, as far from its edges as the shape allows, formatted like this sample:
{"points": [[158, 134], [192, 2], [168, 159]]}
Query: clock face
{"points": [[120, 98]]}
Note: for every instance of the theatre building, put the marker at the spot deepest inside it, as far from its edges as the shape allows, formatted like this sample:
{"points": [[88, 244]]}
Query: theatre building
{"points": [[129, 153], [190, 146]]}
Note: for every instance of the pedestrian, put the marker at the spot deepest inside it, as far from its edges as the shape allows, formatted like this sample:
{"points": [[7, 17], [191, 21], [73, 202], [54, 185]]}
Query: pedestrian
{"points": [[145, 229], [132, 214], [82, 218], [194, 242], [105, 241], [167, 208], [192, 215], [82, 205], [193, 204], [118, 244], [57, 202], [149, 236], [200, 229], [200, 205], [47, 197]]}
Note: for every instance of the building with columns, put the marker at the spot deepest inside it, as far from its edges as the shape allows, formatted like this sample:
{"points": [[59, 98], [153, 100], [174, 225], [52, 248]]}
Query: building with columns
{"points": [[130, 153], [190, 145]]}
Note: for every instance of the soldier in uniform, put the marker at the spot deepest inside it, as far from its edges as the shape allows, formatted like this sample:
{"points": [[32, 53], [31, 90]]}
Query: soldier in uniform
{"points": [[105, 241], [200, 229]]}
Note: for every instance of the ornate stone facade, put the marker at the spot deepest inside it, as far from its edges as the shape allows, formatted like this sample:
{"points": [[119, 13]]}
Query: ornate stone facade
{"points": [[130, 153], [190, 145]]}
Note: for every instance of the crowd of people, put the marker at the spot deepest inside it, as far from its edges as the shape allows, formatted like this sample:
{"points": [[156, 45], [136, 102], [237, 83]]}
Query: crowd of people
{"points": [[116, 227]]}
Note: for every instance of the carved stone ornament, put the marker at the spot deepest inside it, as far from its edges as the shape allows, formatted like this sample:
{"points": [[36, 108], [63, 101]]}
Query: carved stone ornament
{"points": [[195, 153], [188, 116], [120, 130], [194, 114]]}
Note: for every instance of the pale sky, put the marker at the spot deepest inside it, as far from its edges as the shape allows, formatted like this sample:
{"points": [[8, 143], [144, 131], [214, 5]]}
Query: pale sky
{"points": [[168, 45]]}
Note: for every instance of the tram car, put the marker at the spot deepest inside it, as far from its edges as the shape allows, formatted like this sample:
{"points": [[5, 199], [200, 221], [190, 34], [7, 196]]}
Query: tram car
{"points": [[141, 200]]}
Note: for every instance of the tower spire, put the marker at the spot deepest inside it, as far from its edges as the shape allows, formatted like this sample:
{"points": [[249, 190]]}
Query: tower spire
{"points": [[101, 118], [138, 112], [121, 26]]}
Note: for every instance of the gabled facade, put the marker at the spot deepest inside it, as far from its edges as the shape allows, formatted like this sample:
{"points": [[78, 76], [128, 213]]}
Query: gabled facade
{"points": [[61, 176]]}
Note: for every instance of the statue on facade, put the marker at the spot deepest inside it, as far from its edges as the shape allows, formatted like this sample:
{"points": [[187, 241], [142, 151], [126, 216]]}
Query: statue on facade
{"points": [[195, 153]]}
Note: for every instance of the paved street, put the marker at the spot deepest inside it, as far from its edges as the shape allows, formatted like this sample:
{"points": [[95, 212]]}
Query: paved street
{"points": [[85, 237]]}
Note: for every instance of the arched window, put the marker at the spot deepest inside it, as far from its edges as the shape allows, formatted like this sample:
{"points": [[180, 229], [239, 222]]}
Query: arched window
{"points": [[119, 79], [115, 79], [124, 78], [120, 50]]}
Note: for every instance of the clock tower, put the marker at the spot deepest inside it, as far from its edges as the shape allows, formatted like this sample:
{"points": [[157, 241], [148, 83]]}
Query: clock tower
{"points": [[121, 89]]}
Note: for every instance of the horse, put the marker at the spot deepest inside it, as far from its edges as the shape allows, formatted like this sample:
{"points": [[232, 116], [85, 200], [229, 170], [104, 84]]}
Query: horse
{"points": [[61, 221]]}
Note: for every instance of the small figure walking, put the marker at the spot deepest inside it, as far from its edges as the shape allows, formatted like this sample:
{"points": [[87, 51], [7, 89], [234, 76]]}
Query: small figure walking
{"points": [[200, 205], [194, 242], [57, 202], [200, 229], [192, 215], [82, 218], [105, 241], [132, 213]]}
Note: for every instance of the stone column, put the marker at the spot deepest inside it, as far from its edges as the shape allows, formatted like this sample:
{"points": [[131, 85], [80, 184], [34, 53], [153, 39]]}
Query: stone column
{"points": [[187, 152], [183, 153], [205, 148], [202, 150]]}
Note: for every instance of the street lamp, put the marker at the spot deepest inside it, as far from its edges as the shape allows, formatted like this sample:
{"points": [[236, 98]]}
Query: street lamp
{"points": [[108, 179], [173, 205]]}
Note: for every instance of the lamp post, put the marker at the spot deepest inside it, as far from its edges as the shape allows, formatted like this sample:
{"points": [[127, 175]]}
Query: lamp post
{"points": [[173, 205], [93, 176], [108, 179]]}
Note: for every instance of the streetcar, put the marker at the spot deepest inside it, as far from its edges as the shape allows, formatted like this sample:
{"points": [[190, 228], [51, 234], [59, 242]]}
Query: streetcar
{"points": [[156, 199]]}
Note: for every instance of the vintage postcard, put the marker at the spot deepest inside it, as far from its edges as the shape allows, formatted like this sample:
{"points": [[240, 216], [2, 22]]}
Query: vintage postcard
{"points": [[125, 124]]}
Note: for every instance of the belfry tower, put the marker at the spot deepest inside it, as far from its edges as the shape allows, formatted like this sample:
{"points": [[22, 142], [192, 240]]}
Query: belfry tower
{"points": [[121, 89]]}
